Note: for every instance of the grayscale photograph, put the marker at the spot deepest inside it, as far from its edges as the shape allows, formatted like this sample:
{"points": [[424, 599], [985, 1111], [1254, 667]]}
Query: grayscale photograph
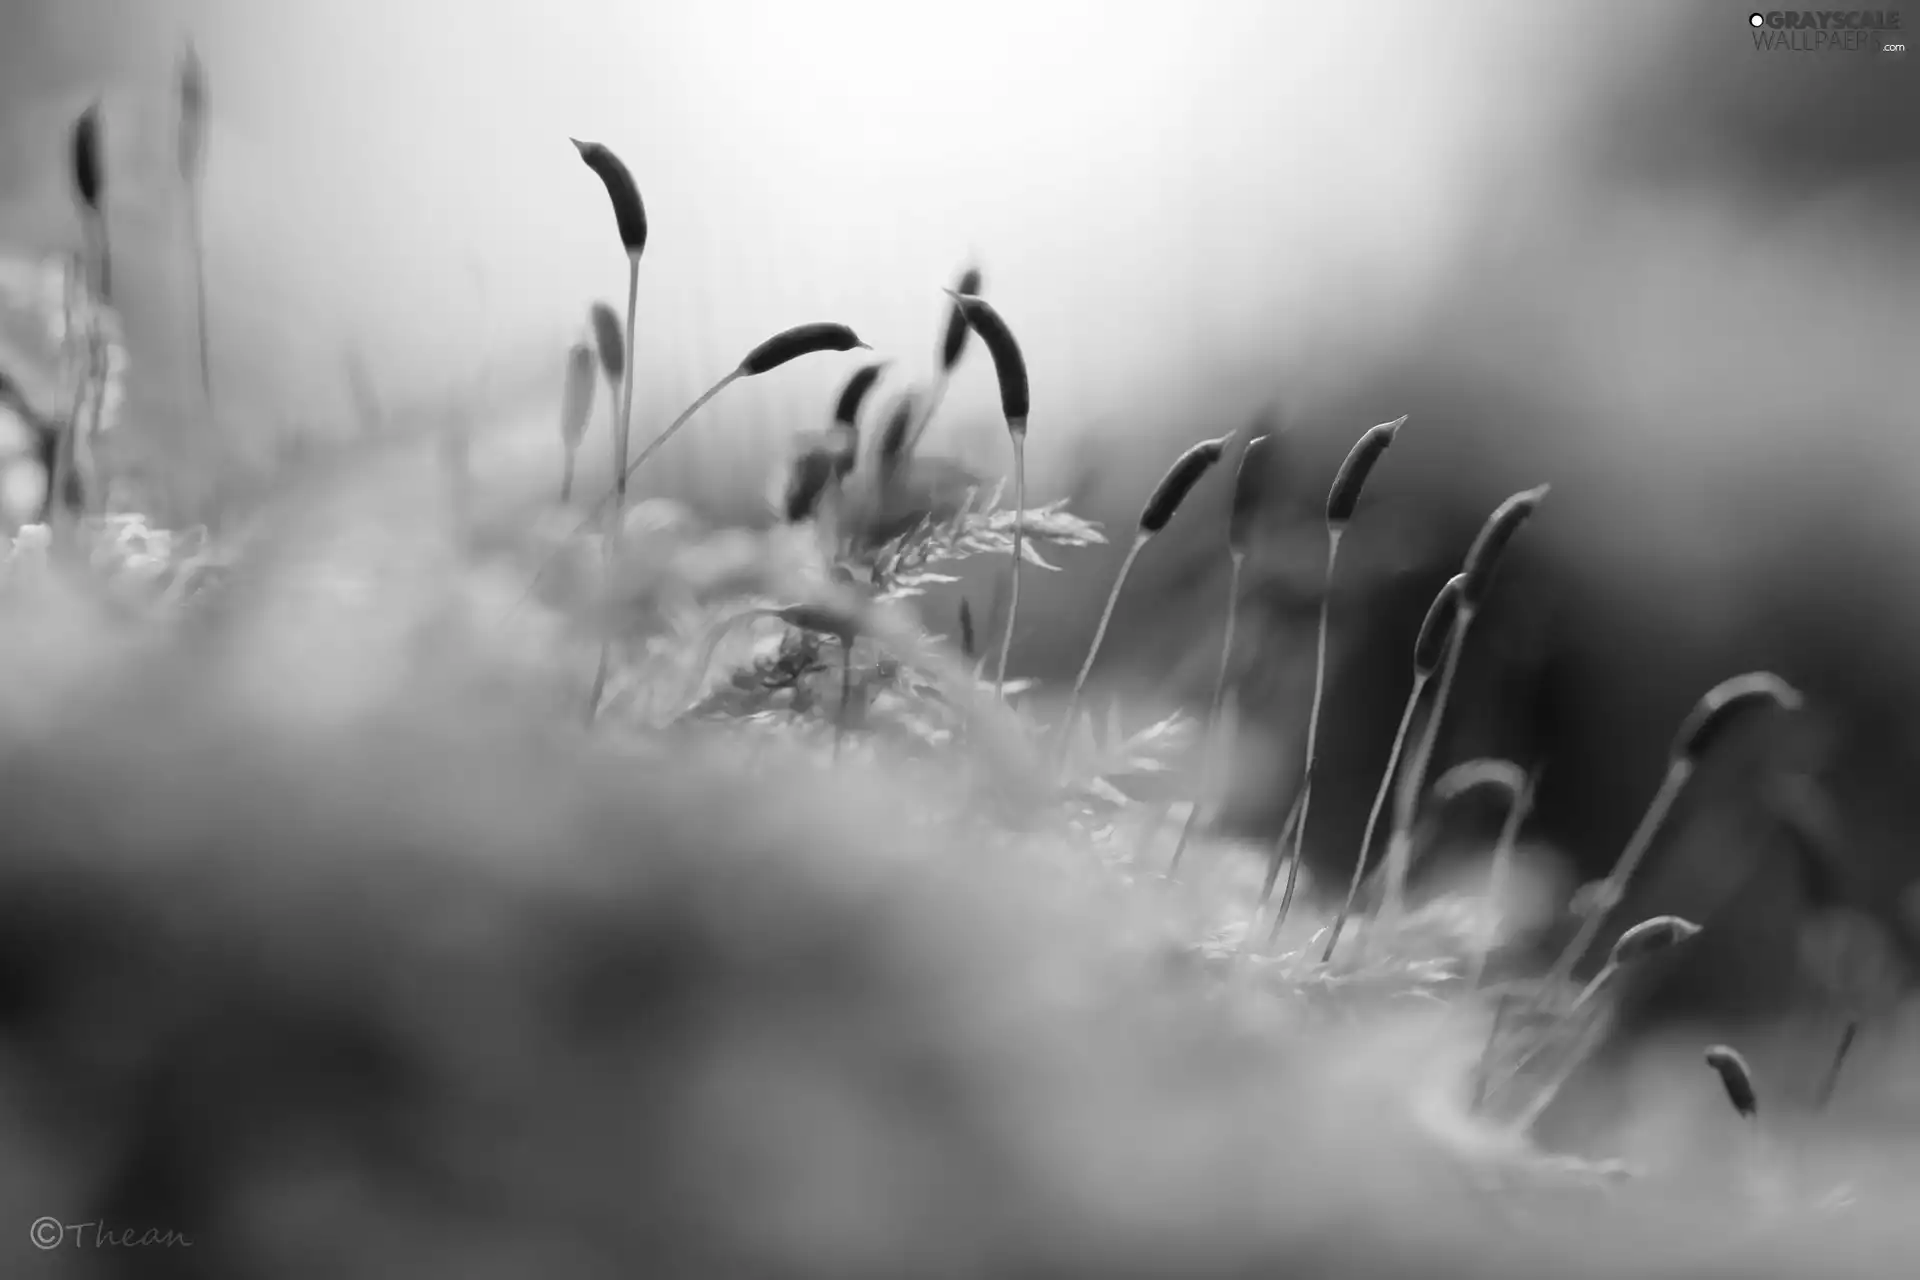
{"points": [[1029, 639]]}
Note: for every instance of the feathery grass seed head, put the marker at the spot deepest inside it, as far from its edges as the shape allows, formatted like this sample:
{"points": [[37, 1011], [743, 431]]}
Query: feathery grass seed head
{"points": [[1736, 1078], [953, 343], [800, 340], [1483, 557], [89, 178], [1178, 482], [1359, 464], [1436, 630], [576, 402], [608, 341], [629, 214], [1009, 366], [1650, 937], [1726, 702]]}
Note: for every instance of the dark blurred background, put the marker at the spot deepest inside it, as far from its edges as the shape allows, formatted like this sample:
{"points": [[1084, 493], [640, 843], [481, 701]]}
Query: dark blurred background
{"points": [[1618, 249]]}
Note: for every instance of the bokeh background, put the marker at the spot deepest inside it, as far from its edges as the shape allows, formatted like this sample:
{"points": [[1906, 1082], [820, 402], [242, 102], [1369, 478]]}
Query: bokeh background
{"points": [[1615, 248]]}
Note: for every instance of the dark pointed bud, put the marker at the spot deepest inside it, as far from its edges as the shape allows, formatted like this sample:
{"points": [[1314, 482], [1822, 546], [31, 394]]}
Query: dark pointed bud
{"points": [[1650, 937], [807, 483], [1353, 473], [846, 410], [1250, 481], [576, 402], [968, 648], [629, 214], [89, 179], [899, 425], [1483, 557], [1178, 483], [1726, 702], [953, 343], [823, 619], [1735, 1078], [1430, 647], [608, 341], [193, 113], [801, 340], [1009, 366]]}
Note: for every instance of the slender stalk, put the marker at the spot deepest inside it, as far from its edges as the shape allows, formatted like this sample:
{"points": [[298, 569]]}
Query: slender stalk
{"points": [[1237, 563], [1313, 729], [566, 477], [1678, 772], [1373, 816], [934, 397], [1099, 637], [196, 248], [1831, 1080], [846, 695], [1273, 861], [616, 519], [1400, 842], [1518, 807], [1013, 588]]}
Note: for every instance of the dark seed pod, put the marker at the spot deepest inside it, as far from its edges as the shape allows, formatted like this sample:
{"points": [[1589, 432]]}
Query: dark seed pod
{"points": [[608, 341], [193, 113], [807, 484], [1650, 937], [899, 425], [1249, 493], [968, 648], [1178, 483], [1430, 647], [1735, 1078], [822, 619], [1483, 557], [629, 214], [89, 181], [1353, 473], [801, 340], [953, 343], [1009, 366], [1726, 702], [854, 394], [576, 403]]}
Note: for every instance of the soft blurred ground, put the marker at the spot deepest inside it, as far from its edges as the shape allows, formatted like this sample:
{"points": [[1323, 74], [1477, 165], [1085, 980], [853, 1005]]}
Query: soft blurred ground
{"points": [[1618, 250]]}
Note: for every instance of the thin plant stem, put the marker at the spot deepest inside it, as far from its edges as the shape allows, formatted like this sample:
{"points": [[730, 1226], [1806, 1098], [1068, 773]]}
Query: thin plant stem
{"points": [[1099, 637], [935, 395], [1019, 529], [1831, 1080], [846, 695], [196, 247], [1373, 816], [1273, 862], [566, 477], [1237, 563], [1400, 842], [616, 518], [1501, 872], [1678, 771], [1313, 729]]}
